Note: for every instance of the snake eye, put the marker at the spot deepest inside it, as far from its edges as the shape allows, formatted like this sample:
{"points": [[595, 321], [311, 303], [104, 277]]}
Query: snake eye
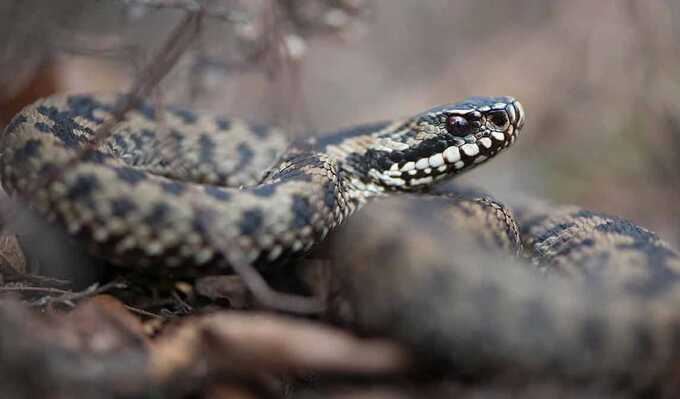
{"points": [[458, 126], [499, 119]]}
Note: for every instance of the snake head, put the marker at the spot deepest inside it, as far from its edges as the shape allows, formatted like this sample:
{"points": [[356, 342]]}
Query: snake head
{"points": [[444, 141]]}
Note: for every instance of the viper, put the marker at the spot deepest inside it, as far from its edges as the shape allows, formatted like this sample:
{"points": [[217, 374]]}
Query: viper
{"points": [[149, 194], [174, 189]]}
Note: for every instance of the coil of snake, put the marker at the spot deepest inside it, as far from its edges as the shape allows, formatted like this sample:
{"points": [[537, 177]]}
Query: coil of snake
{"points": [[166, 181]]}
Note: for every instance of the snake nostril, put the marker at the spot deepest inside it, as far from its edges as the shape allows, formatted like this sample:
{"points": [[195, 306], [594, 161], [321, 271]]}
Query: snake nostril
{"points": [[501, 119]]}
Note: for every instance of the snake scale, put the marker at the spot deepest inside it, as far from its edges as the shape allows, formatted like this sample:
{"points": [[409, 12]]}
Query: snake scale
{"points": [[167, 181]]}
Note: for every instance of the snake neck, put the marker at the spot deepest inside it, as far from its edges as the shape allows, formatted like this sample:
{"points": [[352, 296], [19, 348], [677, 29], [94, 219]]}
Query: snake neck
{"points": [[356, 152]]}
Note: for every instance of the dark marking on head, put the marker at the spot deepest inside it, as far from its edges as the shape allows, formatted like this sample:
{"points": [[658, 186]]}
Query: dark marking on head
{"points": [[362, 165], [83, 186], [64, 126], [302, 211], [122, 206], [427, 148], [218, 193], [172, 187], [129, 175], [251, 221]]}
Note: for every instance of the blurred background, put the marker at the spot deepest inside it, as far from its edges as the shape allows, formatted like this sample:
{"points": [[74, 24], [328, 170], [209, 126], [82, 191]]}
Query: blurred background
{"points": [[599, 80]]}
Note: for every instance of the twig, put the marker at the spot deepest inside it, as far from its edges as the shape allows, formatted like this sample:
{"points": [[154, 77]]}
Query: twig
{"points": [[270, 298], [176, 44], [67, 297], [12, 275], [143, 312], [47, 290], [186, 308], [253, 280], [64, 296], [191, 6]]}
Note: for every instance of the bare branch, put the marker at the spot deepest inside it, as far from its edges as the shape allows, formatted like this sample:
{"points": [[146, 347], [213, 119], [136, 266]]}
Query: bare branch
{"points": [[190, 6]]}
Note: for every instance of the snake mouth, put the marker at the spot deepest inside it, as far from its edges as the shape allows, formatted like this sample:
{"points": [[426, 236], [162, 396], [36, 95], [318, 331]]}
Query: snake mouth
{"points": [[453, 160]]}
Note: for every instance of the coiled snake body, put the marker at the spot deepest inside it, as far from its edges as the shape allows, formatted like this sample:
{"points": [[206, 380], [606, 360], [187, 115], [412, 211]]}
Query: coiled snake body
{"points": [[150, 192], [170, 188]]}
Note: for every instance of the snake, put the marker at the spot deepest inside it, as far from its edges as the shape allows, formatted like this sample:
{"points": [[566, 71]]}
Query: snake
{"points": [[151, 192], [599, 312], [170, 188]]}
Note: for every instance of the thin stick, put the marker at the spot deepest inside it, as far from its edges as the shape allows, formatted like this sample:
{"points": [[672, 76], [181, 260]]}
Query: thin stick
{"points": [[67, 298], [224, 13], [143, 312], [253, 280], [271, 298], [47, 290], [166, 58]]}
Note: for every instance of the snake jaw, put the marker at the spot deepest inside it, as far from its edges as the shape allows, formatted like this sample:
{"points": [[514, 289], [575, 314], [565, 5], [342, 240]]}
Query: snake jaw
{"points": [[445, 141]]}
